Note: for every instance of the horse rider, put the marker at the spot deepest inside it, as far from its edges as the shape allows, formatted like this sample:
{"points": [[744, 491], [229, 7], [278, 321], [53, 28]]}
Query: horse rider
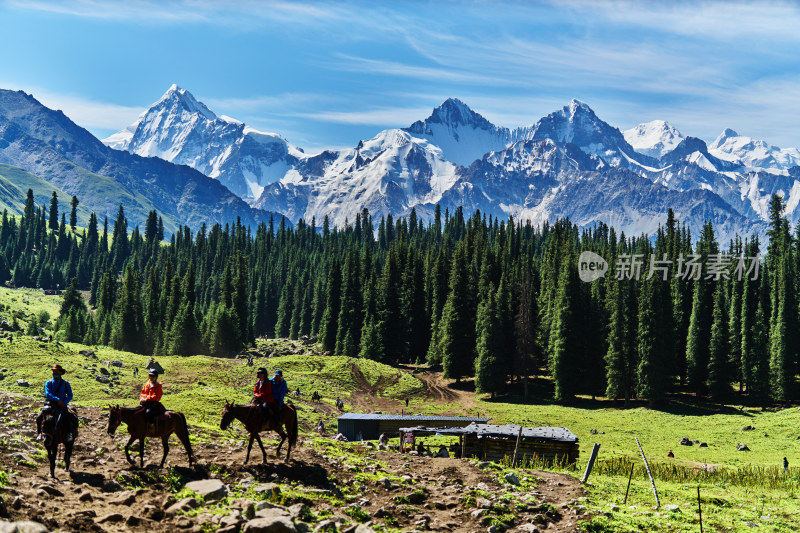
{"points": [[279, 388], [263, 395], [58, 394], [150, 398]]}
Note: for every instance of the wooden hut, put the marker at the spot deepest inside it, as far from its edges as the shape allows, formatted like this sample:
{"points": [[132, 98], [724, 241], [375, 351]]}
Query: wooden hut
{"points": [[492, 442], [372, 425]]}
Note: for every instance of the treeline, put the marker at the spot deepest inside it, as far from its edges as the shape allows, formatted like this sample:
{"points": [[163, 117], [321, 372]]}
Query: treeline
{"points": [[496, 300]]}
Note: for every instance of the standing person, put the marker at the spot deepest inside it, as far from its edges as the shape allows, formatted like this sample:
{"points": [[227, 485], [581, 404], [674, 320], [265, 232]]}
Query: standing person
{"points": [[58, 394], [406, 402], [785, 465], [150, 397], [262, 394]]}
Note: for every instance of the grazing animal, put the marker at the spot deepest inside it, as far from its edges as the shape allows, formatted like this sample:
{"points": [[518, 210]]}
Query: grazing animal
{"points": [[169, 423], [252, 416], [54, 434]]}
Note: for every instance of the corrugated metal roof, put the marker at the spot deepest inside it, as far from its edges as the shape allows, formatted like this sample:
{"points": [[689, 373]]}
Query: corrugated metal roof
{"points": [[506, 430], [411, 418]]}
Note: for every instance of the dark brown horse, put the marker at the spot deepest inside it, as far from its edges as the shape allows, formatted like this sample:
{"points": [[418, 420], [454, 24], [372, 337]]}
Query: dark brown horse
{"points": [[252, 416], [54, 434], [167, 424]]}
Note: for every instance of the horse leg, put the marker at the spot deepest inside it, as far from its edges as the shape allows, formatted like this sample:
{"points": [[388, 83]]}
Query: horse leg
{"points": [[165, 445], [283, 439], [51, 457], [141, 452], [127, 450], [67, 454], [249, 447], [263, 451]]}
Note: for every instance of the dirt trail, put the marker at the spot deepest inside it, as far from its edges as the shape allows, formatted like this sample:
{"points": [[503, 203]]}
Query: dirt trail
{"points": [[442, 393], [89, 498]]}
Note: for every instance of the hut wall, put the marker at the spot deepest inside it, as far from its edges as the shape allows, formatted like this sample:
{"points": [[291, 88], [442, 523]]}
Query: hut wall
{"points": [[494, 449]]}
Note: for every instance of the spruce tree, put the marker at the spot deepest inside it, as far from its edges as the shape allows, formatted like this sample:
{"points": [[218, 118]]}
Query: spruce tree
{"points": [[457, 330], [53, 223], [490, 334], [73, 215], [330, 318], [719, 371]]}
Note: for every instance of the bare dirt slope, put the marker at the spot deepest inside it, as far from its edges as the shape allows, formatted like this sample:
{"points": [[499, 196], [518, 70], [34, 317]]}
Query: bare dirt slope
{"points": [[393, 491]]}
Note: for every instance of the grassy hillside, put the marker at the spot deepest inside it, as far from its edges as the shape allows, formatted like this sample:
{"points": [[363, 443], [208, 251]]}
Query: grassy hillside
{"points": [[740, 490], [14, 185]]}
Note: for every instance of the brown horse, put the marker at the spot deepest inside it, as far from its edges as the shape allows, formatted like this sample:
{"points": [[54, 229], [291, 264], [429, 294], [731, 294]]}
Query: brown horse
{"points": [[169, 423], [255, 422], [54, 434]]}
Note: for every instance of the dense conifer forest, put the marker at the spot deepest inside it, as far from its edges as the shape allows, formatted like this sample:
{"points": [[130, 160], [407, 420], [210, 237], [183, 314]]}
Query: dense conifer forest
{"points": [[497, 300]]}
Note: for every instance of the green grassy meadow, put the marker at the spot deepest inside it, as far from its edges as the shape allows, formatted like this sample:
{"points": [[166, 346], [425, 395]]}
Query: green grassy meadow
{"points": [[740, 490]]}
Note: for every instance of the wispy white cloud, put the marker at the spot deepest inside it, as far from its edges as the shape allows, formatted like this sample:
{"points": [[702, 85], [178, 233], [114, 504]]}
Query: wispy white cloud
{"points": [[399, 117]]}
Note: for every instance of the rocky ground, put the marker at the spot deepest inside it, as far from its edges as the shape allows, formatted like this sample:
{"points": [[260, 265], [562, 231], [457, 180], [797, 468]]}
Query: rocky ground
{"points": [[327, 486]]}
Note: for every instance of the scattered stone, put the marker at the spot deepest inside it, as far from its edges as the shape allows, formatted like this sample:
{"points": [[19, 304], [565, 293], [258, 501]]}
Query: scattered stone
{"points": [[52, 491], [186, 504], [381, 513], [183, 523], [113, 517], [593, 432], [686, 442], [270, 490], [750, 524], [296, 510], [102, 379], [111, 486], [125, 498], [748, 428], [277, 521], [703, 445], [22, 527], [325, 526], [22, 383], [672, 508], [742, 447], [613, 507], [117, 364], [132, 521], [104, 371], [483, 503], [88, 353], [209, 489], [512, 478], [483, 486]]}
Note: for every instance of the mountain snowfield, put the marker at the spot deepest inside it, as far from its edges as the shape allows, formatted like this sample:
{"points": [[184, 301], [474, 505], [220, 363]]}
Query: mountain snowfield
{"points": [[568, 164]]}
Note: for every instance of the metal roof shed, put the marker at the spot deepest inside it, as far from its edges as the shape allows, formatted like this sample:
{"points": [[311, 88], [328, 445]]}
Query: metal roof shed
{"points": [[372, 425]]}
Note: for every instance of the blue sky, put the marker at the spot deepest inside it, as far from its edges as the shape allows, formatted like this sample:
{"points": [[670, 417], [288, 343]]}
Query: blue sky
{"points": [[328, 74]]}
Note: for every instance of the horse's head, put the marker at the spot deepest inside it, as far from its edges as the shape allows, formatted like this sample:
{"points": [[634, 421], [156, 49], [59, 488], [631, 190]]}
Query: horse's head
{"points": [[114, 419], [227, 415]]}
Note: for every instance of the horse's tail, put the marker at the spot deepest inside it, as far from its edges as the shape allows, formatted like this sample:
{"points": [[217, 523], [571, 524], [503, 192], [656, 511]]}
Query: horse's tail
{"points": [[185, 437], [292, 426]]}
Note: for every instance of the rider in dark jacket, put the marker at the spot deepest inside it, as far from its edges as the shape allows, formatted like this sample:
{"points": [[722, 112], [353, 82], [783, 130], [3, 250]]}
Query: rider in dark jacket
{"points": [[58, 394]]}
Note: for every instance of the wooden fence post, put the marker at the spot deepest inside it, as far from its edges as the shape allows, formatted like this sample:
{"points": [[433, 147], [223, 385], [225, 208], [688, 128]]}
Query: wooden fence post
{"points": [[647, 467], [516, 447], [590, 464], [630, 476], [699, 510]]}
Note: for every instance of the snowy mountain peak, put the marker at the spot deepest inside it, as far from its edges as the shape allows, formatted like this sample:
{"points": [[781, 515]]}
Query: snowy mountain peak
{"points": [[726, 134], [575, 106], [461, 133], [655, 138], [178, 98]]}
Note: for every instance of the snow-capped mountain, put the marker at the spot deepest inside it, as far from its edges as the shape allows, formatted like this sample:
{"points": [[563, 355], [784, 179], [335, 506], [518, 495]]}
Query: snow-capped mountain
{"points": [[390, 173], [753, 154], [654, 139], [462, 134], [47, 144], [576, 123], [569, 163], [182, 130]]}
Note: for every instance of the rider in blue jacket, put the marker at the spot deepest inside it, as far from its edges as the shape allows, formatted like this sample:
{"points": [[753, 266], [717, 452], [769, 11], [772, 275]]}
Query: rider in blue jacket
{"points": [[279, 387], [58, 394]]}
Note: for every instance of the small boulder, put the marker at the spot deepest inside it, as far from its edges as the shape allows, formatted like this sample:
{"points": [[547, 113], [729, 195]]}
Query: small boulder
{"points": [[270, 521], [742, 447], [102, 379], [88, 353], [104, 371], [113, 517], [686, 442], [512, 478], [672, 508], [748, 428], [209, 489], [703, 445], [270, 490], [22, 527], [117, 364], [23, 383], [184, 505]]}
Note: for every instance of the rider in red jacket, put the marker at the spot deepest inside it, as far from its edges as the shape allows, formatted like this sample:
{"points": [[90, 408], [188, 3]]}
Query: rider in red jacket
{"points": [[262, 393]]}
